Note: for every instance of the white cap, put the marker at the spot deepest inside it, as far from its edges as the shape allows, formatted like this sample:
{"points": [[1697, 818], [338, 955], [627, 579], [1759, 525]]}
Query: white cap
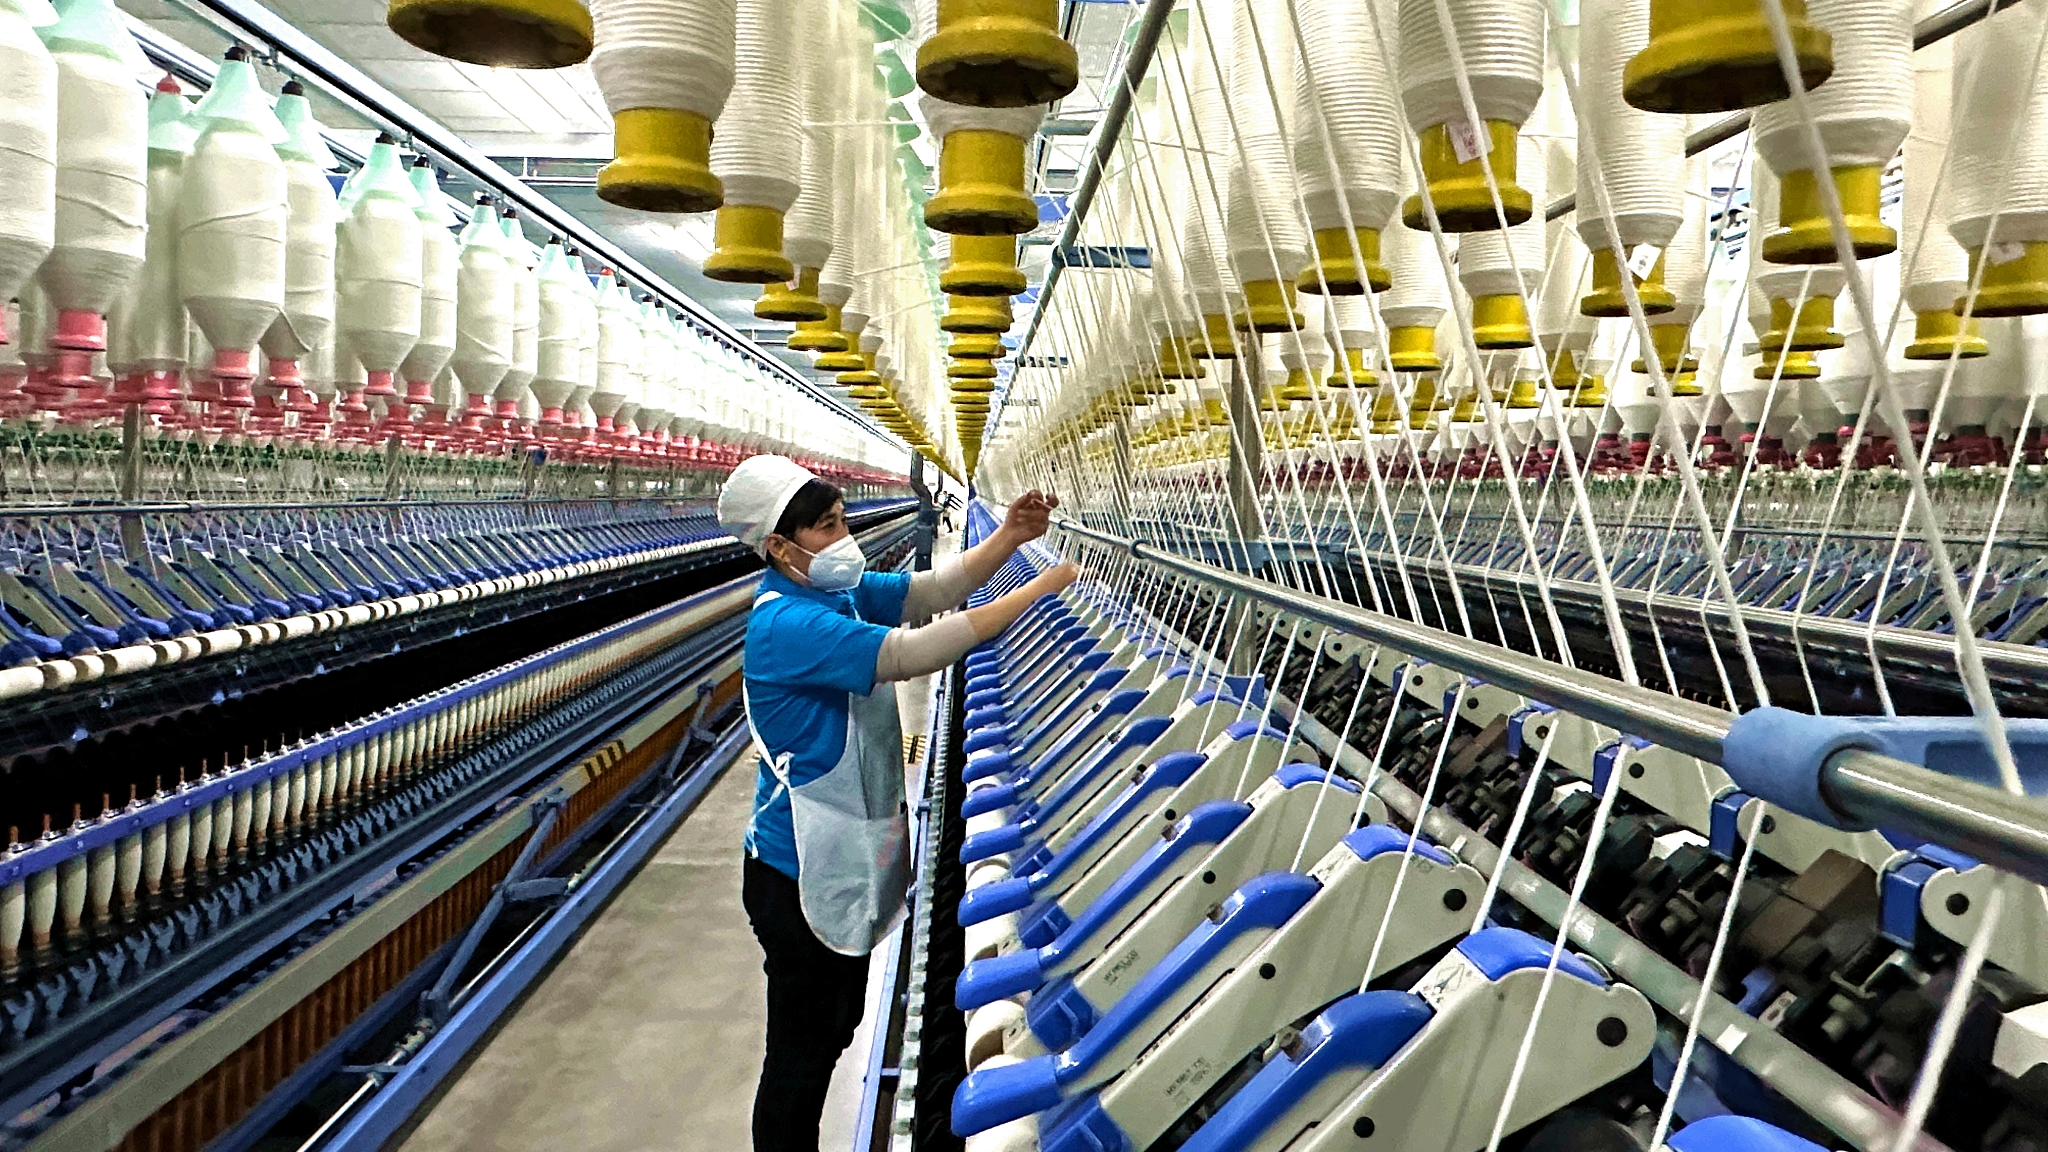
{"points": [[755, 495]]}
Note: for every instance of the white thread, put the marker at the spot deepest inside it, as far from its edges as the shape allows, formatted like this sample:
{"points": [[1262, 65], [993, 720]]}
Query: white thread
{"points": [[757, 149], [673, 54]]}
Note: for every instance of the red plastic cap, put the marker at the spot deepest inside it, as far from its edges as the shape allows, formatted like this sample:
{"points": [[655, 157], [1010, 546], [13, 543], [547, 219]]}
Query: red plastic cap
{"points": [[79, 329]]}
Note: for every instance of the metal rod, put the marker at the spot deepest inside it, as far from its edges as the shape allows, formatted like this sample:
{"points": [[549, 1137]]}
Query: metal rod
{"points": [[249, 21], [1108, 131], [1987, 823], [1933, 30]]}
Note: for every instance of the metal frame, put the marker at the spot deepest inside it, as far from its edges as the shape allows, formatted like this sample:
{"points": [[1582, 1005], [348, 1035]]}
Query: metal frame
{"points": [[1863, 787], [249, 22]]}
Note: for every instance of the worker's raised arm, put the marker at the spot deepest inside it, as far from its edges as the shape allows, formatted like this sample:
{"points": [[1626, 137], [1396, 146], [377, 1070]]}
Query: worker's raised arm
{"points": [[909, 652], [949, 581]]}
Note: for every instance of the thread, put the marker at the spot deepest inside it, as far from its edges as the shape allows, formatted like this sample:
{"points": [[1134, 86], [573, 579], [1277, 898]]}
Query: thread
{"points": [[380, 271], [28, 153], [807, 226], [147, 331], [761, 127], [233, 210], [1995, 169], [1340, 79], [440, 269], [1264, 228], [101, 191], [1633, 152], [1484, 265], [1939, 269], [618, 347], [483, 307], [673, 54], [308, 315], [522, 264], [559, 354]]}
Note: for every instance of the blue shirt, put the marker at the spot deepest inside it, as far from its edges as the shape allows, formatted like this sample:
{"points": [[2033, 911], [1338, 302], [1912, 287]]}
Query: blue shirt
{"points": [[806, 650]]}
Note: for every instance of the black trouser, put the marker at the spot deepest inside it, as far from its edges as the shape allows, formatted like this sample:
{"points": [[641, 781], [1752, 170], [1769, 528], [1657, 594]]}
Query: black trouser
{"points": [[815, 1000]]}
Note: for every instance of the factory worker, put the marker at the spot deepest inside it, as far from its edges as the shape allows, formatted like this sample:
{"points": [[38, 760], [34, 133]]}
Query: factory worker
{"points": [[827, 856]]}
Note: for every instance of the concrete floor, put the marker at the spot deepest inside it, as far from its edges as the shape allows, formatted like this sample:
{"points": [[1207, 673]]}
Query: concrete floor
{"points": [[648, 1034]]}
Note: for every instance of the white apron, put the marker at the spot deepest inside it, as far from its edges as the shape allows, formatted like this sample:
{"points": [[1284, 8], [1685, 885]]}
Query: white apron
{"points": [[852, 826]]}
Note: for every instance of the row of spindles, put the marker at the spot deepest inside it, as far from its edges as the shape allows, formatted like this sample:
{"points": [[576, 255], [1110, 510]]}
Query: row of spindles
{"points": [[85, 899]]}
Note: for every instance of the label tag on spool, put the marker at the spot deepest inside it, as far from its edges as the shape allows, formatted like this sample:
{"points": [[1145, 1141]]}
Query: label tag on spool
{"points": [[1642, 258], [2003, 252], [1465, 140]]}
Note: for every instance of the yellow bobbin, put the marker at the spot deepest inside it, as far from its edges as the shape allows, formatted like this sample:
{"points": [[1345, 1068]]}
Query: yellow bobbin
{"points": [[820, 335], [1606, 300], [1687, 381], [845, 358], [871, 391], [1269, 307], [2015, 281], [1669, 341], [795, 300], [663, 162], [496, 33], [1592, 392], [1413, 349], [1939, 334], [1804, 236], [983, 266], [1352, 372], [1564, 369], [1297, 386], [864, 375], [1218, 340], [1386, 412], [983, 314], [1348, 261], [747, 248], [976, 346], [1810, 329], [998, 54], [1522, 394], [981, 186], [1501, 322], [1795, 366], [1718, 56], [1466, 410], [1424, 400], [974, 402], [971, 370], [1175, 362], [1464, 202]]}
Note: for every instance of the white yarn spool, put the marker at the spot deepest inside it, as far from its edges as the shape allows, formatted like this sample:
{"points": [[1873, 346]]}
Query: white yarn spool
{"points": [[586, 335], [1267, 241], [483, 308], [1343, 81], [379, 268], [618, 346], [521, 260], [559, 354], [672, 54], [1939, 270], [807, 226], [233, 210], [1557, 298], [309, 300], [147, 331], [761, 129], [944, 119], [1996, 169], [1632, 153], [1420, 294], [28, 128], [1808, 289], [1862, 114], [1501, 45], [1685, 259], [1488, 272], [102, 181], [440, 267]]}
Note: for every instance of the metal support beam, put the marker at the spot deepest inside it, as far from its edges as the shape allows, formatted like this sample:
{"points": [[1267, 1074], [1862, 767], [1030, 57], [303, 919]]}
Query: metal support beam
{"points": [[1247, 460]]}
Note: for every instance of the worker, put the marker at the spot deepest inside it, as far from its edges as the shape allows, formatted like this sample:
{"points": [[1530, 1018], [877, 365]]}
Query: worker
{"points": [[826, 855]]}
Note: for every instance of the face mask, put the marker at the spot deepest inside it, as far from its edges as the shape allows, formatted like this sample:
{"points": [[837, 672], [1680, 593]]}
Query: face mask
{"points": [[838, 566]]}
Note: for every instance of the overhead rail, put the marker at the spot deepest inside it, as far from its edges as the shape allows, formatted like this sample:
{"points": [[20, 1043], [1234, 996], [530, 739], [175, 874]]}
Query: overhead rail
{"points": [[248, 22], [1861, 787]]}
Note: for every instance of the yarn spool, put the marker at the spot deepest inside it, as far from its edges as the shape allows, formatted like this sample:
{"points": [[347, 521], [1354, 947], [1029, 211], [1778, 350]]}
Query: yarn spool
{"points": [[28, 126], [1685, 276], [760, 130], [233, 212], [981, 266], [101, 183], [665, 68], [1628, 153], [1268, 246], [1304, 353], [1801, 297], [995, 53], [523, 261], [1562, 330], [1348, 144], [1996, 172], [558, 346], [618, 349], [146, 332], [440, 273], [308, 317], [1501, 43], [1719, 56], [484, 303], [496, 33], [1501, 286], [1862, 114], [1937, 268], [1416, 300], [807, 227], [381, 271], [981, 168], [1355, 342]]}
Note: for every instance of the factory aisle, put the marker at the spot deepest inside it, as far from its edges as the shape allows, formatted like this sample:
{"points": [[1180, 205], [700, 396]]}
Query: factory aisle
{"points": [[647, 1035]]}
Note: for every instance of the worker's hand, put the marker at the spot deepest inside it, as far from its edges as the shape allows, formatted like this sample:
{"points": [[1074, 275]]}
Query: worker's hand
{"points": [[1029, 515], [1059, 577]]}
